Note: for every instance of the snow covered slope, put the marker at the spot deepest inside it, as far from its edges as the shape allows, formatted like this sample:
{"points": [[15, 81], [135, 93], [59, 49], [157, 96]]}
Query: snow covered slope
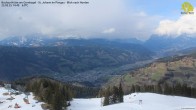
{"points": [[4, 104], [150, 101]]}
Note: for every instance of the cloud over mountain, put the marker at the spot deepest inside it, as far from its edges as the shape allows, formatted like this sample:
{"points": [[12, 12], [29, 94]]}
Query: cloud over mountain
{"points": [[93, 19], [184, 25]]}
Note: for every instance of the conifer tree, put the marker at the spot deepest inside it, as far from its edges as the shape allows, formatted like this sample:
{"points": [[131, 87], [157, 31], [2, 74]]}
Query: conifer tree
{"points": [[159, 89], [132, 89], [106, 98], [115, 95], [121, 93]]}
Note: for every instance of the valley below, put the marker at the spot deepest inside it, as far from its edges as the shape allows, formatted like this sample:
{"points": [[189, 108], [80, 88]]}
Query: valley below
{"points": [[70, 73], [98, 55]]}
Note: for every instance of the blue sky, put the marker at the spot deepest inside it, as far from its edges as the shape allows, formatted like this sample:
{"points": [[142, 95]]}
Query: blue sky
{"points": [[167, 8]]}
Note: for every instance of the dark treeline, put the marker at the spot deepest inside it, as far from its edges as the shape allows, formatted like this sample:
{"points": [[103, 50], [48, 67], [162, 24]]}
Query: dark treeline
{"points": [[84, 92], [51, 92], [115, 94], [112, 95], [56, 94], [166, 89], [77, 91]]}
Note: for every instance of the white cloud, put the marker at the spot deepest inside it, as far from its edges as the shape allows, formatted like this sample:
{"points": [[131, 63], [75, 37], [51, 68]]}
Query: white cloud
{"points": [[78, 20], [186, 24], [108, 31]]}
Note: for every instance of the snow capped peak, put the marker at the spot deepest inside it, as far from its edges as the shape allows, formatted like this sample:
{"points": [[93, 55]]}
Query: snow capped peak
{"points": [[29, 41], [23, 40]]}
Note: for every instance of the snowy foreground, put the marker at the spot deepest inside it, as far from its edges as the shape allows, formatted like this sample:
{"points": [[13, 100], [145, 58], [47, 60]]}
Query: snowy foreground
{"points": [[150, 101], [4, 104]]}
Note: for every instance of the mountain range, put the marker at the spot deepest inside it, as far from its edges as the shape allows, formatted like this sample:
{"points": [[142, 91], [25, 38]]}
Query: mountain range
{"points": [[167, 46], [161, 45], [90, 61], [71, 60]]}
